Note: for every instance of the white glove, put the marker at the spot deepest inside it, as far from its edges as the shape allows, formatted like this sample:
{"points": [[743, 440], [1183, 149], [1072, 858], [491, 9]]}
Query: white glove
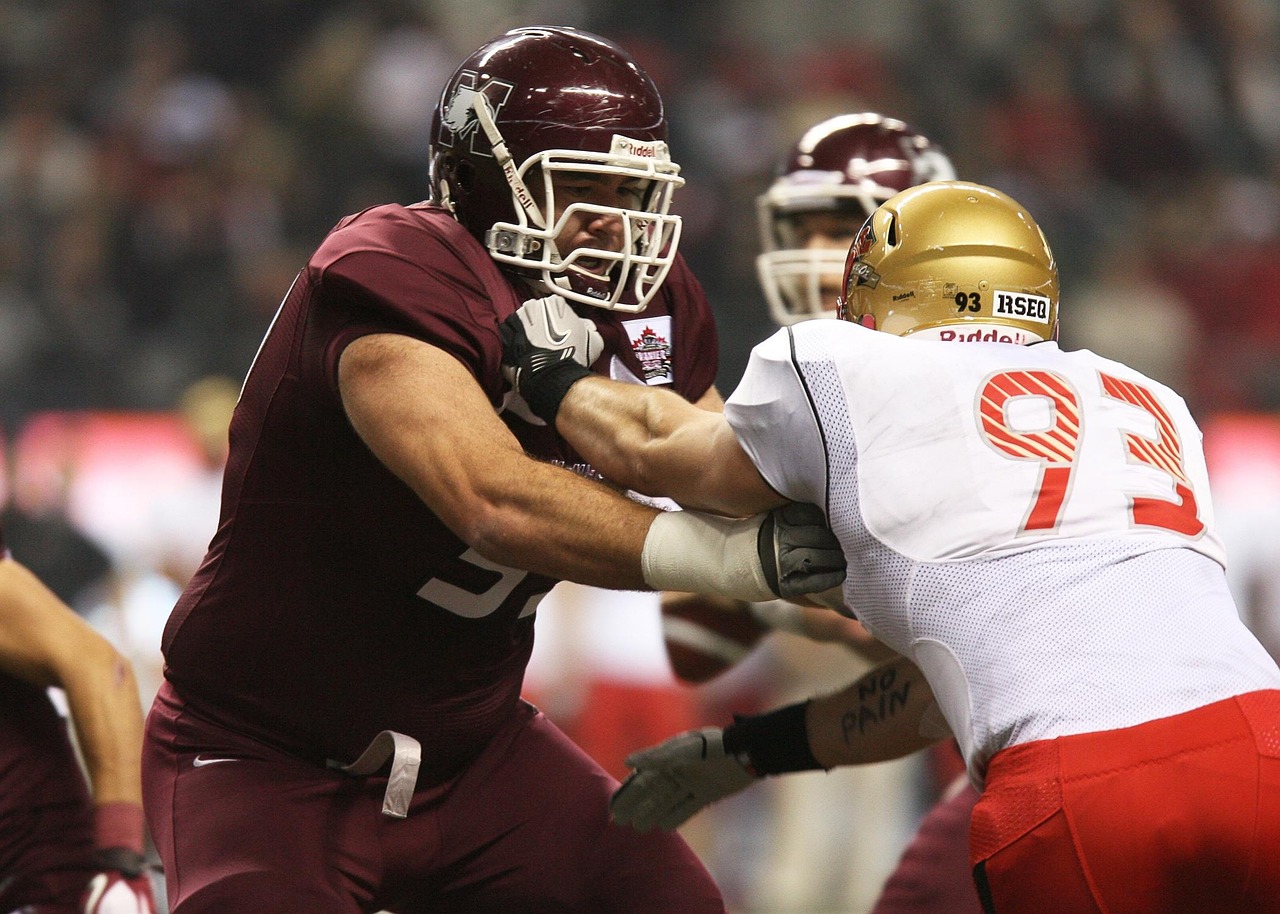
{"points": [[120, 891], [550, 324], [677, 778]]}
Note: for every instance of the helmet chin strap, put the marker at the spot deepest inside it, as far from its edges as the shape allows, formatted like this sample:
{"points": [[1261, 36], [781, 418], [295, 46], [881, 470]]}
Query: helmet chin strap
{"points": [[484, 114]]}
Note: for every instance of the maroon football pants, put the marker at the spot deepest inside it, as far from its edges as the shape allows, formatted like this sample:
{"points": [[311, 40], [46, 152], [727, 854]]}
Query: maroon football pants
{"points": [[525, 828], [45, 854], [933, 874]]}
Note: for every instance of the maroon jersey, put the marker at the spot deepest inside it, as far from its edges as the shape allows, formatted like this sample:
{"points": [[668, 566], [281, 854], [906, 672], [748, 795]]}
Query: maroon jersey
{"points": [[333, 603]]}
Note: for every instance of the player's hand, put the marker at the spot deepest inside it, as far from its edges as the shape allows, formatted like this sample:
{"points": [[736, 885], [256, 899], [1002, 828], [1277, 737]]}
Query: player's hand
{"points": [[545, 348], [798, 552], [675, 779], [122, 887]]}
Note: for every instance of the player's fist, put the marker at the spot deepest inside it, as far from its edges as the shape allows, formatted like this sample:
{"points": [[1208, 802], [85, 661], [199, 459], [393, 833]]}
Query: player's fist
{"points": [[799, 553], [546, 347], [122, 887]]}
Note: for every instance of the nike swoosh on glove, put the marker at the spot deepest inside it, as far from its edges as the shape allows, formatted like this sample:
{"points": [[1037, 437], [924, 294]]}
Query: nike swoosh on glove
{"points": [[551, 324], [677, 778], [122, 887], [546, 347]]}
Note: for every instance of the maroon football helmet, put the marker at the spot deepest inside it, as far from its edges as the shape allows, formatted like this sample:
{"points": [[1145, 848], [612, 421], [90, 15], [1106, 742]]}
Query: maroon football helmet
{"points": [[849, 164], [542, 100]]}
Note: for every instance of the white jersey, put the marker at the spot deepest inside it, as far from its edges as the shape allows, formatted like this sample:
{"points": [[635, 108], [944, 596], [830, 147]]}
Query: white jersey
{"points": [[1032, 527]]}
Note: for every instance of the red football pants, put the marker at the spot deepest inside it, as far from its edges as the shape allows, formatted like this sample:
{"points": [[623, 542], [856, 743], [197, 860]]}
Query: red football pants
{"points": [[1175, 816]]}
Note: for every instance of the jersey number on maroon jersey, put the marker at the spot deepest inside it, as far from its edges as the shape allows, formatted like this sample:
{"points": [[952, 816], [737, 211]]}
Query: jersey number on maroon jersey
{"points": [[471, 602], [1055, 446]]}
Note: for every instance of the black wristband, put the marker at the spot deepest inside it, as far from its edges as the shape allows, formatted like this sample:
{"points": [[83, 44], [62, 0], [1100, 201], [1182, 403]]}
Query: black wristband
{"points": [[772, 743], [121, 860], [544, 386]]}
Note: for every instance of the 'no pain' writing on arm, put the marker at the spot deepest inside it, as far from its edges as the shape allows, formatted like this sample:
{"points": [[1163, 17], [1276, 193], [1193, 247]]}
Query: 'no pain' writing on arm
{"points": [[879, 697]]}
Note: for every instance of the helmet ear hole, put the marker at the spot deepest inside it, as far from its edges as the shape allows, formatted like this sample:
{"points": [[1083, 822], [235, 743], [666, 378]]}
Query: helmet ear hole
{"points": [[464, 174]]}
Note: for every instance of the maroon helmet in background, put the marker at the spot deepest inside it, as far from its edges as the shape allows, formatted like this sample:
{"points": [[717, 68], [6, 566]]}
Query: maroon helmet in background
{"points": [[541, 100], [846, 165]]}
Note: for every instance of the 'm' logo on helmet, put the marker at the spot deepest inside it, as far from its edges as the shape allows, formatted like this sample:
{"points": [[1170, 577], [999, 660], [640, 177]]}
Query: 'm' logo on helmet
{"points": [[459, 117]]}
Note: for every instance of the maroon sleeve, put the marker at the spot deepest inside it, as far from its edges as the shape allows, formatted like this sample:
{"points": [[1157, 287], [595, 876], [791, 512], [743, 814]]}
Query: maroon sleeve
{"points": [[415, 271]]}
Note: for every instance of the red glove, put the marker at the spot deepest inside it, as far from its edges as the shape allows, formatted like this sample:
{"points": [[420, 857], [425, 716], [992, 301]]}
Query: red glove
{"points": [[122, 887]]}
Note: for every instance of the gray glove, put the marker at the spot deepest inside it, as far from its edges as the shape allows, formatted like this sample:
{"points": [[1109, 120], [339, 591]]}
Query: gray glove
{"points": [[546, 347], [798, 552], [677, 778]]}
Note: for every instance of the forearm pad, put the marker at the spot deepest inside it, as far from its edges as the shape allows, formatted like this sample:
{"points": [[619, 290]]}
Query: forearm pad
{"points": [[701, 553]]}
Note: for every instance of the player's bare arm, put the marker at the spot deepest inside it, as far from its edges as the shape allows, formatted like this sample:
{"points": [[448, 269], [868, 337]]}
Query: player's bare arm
{"points": [[43, 642], [658, 443], [422, 413], [888, 713]]}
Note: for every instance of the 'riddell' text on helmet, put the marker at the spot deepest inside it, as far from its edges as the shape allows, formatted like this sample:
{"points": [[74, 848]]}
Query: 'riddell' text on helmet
{"points": [[847, 165], [541, 101], [953, 261]]}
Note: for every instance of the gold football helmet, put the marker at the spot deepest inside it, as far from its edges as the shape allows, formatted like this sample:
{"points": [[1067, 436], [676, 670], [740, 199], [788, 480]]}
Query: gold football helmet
{"points": [[952, 260]]}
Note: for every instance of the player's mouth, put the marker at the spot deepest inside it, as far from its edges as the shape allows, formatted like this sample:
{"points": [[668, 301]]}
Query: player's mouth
{"points": [[593, 265]]}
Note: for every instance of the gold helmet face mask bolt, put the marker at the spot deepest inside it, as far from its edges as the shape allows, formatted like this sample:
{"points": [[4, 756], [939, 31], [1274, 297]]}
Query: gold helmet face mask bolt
{"points": [[954, 261]]}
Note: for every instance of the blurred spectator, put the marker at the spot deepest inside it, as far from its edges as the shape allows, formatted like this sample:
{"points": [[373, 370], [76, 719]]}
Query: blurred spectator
{"points": [[131, 609], [37, 526], [184, 519]]}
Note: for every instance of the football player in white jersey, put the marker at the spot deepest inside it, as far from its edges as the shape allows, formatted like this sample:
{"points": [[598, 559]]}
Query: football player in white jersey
{"points": [[1030, 528]]}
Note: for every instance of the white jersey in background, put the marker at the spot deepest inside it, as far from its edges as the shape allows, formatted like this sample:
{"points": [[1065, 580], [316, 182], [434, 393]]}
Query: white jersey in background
{"points": [[1032, 527]]}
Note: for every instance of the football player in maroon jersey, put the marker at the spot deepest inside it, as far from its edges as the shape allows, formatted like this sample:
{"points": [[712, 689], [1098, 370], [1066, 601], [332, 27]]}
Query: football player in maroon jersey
{"points": [[829, 182], [341, 728], [66, 848]]}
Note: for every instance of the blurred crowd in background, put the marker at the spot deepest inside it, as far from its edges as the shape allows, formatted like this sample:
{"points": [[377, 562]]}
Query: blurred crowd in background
{"points": [[166, 166]]}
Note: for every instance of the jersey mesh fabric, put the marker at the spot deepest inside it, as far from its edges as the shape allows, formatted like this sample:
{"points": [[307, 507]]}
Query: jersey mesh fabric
{"points": [[1085, 637], [1066, 636], [875, 575]]}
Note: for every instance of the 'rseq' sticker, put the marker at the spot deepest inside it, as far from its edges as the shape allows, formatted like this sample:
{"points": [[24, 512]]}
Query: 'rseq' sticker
{"points": [[1022, 306]]}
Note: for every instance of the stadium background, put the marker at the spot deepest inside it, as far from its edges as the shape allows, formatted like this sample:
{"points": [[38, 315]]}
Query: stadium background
{"points": [[167, 165]]}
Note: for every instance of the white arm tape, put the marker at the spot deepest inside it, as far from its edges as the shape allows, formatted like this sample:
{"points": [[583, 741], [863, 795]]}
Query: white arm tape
{"points": [[700, 553]]}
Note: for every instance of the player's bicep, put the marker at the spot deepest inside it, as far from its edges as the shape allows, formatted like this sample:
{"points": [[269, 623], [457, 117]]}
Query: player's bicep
{"points": [[424, 416], [721, 477]]}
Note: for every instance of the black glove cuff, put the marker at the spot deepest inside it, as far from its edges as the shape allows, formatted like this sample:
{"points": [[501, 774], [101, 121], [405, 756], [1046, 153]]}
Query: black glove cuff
{"points": [[772, 743], [768, 554], [123, 860], [545, 388]]}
